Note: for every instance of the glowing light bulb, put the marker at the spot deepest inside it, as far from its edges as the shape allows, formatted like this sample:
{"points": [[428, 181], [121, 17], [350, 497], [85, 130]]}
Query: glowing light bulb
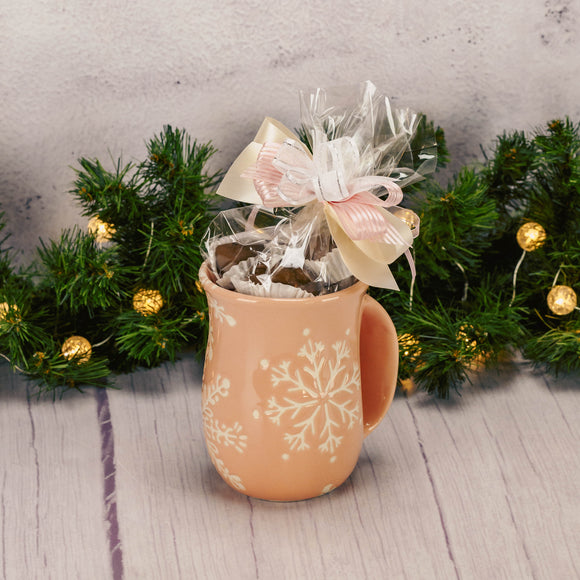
{"points": [[408, 386], [408, 216], [562, 300], [147, 302], [5, 310], [531, 236], [465, 334], [78, 348], [409, 345], [100, 229]]}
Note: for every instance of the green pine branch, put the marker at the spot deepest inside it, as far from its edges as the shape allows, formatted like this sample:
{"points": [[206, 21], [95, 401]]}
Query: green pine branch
{"points": [[157, 213], [81, 274], [462, 312]]}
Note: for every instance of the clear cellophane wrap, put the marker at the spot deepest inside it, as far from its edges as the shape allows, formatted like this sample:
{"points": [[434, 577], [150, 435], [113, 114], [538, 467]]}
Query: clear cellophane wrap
{"points": [[323, 207]]}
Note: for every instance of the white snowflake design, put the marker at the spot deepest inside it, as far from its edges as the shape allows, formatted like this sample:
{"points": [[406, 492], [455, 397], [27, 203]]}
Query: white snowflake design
{"points": [[217, 434], [218, 314], [319, 398]]}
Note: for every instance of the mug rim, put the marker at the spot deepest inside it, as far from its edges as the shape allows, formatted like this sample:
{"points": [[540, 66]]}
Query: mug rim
{"points": [[205, 277]]}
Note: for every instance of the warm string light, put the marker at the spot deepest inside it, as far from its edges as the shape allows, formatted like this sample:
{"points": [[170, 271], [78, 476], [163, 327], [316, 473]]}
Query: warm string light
{"points": [[408, 216], [562, 300], [101, 230], [465, 335], [408, 385], [530, 237], [147, 302], [6, 308], [409, 346], [77, 348]]}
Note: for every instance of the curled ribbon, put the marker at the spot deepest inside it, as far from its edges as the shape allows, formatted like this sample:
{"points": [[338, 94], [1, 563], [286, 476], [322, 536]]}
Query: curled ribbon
{"points": [[276, 170]]}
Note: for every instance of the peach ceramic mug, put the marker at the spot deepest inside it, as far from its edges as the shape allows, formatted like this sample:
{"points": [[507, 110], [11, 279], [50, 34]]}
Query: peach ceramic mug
{"points": [[292, 387]]}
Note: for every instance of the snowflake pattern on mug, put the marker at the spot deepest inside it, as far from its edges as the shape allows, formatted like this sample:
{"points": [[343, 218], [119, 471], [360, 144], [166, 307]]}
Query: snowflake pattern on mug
{"points": [[219, 435], [218, 314], [319, 398]]}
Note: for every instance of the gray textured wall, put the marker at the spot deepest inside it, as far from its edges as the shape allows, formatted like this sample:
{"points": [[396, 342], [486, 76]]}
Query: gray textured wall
{"points": [[96, 78]]}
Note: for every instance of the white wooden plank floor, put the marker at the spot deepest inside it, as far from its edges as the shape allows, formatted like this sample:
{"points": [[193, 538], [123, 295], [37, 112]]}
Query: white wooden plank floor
{"points": [[117, 485]]}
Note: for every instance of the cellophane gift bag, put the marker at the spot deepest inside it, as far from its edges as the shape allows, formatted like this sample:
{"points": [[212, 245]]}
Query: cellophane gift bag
{"points": [[322, 206]]}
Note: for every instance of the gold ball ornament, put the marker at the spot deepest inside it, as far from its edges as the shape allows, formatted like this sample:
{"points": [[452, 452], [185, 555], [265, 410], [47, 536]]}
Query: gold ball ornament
{"points": [[562, 300], [100, 229], [147, 302], [531, 236], [78, 348]]}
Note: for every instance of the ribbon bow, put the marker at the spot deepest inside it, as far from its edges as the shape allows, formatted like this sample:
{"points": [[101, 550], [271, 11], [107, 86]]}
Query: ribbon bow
{"points": [[276, 170]]}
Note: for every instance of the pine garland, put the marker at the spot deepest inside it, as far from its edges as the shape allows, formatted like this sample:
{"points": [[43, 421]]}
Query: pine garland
{"points": [[156, 213], [136, 299], [466, 310]]}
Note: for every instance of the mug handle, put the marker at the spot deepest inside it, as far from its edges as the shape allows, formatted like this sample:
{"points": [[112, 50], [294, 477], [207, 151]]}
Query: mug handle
{"points": [[379, 361]]}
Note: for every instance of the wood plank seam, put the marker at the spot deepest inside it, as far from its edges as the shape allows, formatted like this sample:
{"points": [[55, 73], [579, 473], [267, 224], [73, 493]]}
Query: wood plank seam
{"points": [[435, 494], [109, 481]]}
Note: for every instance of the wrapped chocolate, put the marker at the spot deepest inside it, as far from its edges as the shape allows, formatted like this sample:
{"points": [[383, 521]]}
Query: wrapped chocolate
{"points": [[323, 210], [279, 253]]}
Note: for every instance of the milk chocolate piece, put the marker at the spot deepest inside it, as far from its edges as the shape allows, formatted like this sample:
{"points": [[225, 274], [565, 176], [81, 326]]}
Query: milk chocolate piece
{"points": [[258, 271], [232, 253], [296, 277], [318, 247]]}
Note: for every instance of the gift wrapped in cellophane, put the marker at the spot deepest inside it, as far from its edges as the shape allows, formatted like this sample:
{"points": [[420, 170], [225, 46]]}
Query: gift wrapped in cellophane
{"points": [[323, 207]]}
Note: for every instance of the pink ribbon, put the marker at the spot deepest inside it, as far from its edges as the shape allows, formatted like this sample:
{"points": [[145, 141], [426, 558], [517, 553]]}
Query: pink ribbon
{"points": [[286, 175]]}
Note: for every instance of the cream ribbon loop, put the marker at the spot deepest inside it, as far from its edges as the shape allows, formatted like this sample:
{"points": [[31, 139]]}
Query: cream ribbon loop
{"points": [[276, 170]]}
